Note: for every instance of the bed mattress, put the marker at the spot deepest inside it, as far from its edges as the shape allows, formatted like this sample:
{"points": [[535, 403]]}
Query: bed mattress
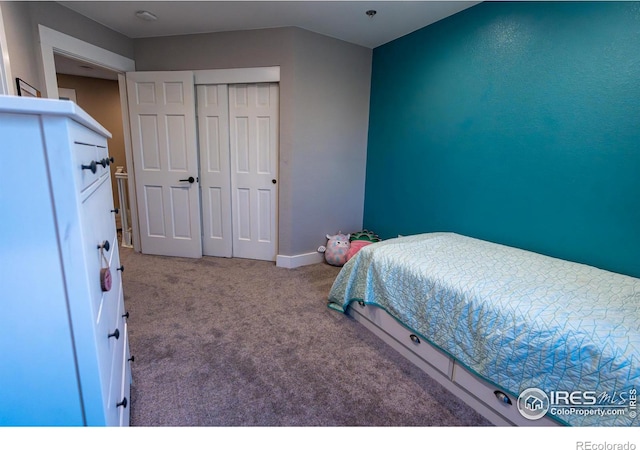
{"points": [[515, 318]]}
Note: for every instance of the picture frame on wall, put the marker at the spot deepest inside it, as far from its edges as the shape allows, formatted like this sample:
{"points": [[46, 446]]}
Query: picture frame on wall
{"points": [[26, 90]]}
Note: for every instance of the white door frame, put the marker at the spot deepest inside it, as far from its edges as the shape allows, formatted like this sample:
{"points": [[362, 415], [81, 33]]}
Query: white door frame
{"points": [[52, 41]]}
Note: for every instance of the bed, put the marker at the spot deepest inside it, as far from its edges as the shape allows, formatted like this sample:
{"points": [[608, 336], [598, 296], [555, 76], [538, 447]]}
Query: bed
{"points": [[492, 322]]}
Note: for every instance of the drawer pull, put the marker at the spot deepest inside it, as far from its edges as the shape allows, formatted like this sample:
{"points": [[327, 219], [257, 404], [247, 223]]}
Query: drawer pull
{"points": [[123, 403], [115, 334], [105, 245], [115, 210], [121, 268], [414, 338], [106, 161], [91, 166], [502, 397]]}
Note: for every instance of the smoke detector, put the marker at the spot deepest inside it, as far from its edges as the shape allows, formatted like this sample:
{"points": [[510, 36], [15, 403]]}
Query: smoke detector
{"points": [[146, 15]]}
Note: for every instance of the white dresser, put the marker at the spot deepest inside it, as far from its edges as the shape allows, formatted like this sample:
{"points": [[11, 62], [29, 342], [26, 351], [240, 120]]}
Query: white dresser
{"points": [[63, 342]]}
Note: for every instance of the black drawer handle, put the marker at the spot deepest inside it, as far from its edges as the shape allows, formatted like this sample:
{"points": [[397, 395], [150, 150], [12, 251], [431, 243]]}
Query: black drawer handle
{"points": [[502, 397], [91, 166], [123, 403], [105, 245], [115, 334], [414, 338]]}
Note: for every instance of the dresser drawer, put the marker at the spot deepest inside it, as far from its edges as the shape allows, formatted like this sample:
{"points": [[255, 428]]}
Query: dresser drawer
{"points": [[110, 299], [89, 155], [91, 163], [107, 319], [98, 227], [125, 411], [115, 398], [85, 166], [98, 215]]}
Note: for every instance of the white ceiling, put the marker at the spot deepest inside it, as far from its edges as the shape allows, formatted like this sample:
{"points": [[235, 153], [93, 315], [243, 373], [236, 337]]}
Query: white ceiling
{"points": [[345, 20]]}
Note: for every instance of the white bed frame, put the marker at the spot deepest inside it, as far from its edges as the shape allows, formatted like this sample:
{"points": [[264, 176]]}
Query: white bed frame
{"points": [[483, 397]]}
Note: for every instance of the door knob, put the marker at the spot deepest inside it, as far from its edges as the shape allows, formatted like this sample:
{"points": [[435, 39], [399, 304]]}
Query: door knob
{"points": [[190, 179]]}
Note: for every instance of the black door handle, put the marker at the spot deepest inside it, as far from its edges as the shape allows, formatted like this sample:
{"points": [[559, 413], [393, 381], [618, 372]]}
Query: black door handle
{"points": [[190, 179]]}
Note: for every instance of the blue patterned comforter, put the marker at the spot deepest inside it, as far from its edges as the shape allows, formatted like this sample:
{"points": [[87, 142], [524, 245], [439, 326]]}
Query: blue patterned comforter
{"points": [[515, 318]]}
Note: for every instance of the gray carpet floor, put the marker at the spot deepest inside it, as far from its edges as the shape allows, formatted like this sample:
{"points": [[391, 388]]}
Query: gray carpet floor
{"points": [[234, 342]]}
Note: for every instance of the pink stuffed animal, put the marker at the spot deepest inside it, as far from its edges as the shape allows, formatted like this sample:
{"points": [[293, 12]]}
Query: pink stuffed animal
{"points": [[335, 253]]}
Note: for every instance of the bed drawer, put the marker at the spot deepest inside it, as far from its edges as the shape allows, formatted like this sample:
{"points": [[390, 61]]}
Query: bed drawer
{"points": [[493, 398], [406, 337]]}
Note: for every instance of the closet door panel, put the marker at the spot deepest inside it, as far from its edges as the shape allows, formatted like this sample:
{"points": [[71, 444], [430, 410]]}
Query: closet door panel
{"points": [[253, 119], [213, 133]]}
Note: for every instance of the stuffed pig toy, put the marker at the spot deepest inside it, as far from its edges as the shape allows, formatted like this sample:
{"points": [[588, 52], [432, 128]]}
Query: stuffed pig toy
{"points": [[335, 253]]}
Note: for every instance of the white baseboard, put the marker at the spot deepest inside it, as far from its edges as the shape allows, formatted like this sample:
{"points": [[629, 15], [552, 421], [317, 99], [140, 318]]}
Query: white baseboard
{"points": [[291, 262]]}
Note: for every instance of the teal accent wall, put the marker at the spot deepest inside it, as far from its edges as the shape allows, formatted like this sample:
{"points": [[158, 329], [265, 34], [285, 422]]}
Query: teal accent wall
{"points": [[514, 122]]}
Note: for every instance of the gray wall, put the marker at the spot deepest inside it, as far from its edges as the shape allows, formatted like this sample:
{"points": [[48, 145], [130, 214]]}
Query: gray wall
{"points": [[21, 20], [21, 43], [331, 120], [324, 103]]}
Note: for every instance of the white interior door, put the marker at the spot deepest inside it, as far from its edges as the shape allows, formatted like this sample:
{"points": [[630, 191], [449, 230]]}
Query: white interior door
{"points": [[164, 146], [215, 175], [253, 138]]}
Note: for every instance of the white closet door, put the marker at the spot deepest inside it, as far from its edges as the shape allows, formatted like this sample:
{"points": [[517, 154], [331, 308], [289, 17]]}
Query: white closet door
{"points": [[253, 131], [213, 133], [163, 130]]}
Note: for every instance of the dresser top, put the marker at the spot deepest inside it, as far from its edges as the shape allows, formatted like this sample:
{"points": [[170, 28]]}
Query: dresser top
{"points": [[50, 107]]}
